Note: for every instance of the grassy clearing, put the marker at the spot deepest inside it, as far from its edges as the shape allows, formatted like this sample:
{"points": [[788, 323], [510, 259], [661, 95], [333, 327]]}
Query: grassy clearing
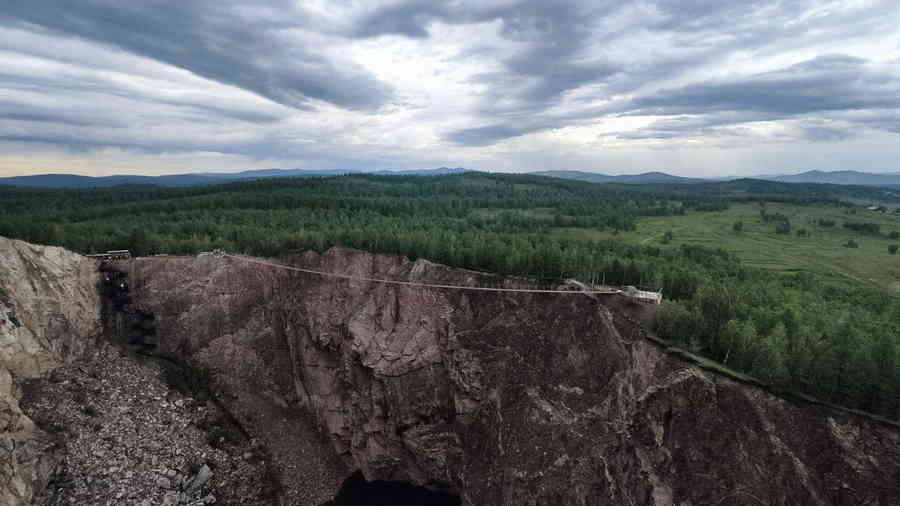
{"points": [[821, 252], [537, 212]]}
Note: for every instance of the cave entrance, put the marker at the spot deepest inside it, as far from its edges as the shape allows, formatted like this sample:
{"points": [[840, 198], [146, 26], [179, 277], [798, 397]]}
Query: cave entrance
{"points": [[356, 491]]}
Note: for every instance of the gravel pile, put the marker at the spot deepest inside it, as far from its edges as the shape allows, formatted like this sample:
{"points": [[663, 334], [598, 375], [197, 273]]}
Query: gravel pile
{"points": [[125, 438]]}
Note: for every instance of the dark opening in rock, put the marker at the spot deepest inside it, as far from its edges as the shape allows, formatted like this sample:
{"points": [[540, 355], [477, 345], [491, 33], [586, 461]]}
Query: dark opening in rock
{"points": [[357, 492]]}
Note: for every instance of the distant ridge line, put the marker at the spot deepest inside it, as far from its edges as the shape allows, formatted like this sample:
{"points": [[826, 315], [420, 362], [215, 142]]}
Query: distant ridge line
{"points": [[843, 177], [59, 181]]}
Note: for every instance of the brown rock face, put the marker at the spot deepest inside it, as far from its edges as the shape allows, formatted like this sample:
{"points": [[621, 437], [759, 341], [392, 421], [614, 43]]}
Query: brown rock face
{"points": [[49, 315], [504, 399]]}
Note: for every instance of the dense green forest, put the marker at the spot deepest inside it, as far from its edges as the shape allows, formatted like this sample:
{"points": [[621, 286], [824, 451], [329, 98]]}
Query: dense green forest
{"points": [[836, 340], [773, 191], [491, 222]]}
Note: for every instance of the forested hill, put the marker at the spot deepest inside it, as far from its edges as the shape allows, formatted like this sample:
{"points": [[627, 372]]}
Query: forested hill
{"points": [[831, 337], [459, 219], [845, 177], [850, 177], [402, 214], [645, 178], [761, 189], [201, 178]]}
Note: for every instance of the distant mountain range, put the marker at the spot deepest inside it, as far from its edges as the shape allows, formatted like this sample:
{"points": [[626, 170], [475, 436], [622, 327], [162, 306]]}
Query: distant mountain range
{"points": [[200, 178], [645, 178], [850, 177], [843, 177]]}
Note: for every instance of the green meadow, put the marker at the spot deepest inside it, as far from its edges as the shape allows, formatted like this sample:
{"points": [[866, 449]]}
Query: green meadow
{"points": [[821, 251]]}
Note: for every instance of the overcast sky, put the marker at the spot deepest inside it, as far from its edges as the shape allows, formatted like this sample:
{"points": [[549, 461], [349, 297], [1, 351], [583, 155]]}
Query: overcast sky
{"points": [[691, 87]]}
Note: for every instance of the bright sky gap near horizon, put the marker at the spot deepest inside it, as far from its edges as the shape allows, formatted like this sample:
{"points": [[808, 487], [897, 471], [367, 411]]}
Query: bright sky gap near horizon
{"points": [[690, 87]]}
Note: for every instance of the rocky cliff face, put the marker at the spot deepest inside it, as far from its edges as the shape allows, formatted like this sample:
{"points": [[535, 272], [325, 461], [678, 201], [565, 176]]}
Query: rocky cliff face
{"points": [[85, 421], [504, 399], [49, 314]]}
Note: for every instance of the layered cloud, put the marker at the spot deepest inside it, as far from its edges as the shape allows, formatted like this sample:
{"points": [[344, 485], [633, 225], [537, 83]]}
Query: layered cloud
{"points": [[270, 48], [495, 84]]}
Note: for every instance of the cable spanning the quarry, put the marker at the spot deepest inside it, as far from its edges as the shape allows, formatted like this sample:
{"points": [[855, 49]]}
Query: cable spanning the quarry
{"points": [[415, 283], [705, 364]]}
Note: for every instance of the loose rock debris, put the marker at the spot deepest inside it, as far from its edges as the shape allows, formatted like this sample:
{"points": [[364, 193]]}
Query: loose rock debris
{"points": [[125, 438]]}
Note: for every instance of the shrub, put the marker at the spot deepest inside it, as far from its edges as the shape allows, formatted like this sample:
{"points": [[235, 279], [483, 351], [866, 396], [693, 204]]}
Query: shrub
{"points": [[738, 226], [894, 235], [851, 244], [802, 232], [863, 227], [892, 249], [767, 217]]}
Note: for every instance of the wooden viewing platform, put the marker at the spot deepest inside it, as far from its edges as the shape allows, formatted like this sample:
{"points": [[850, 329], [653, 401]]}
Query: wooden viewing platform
{"points": [[114, 254]]}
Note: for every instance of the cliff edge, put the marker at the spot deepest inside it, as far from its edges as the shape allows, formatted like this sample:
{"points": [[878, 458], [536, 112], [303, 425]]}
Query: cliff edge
{"points": [[49, 315], [501, 398]]}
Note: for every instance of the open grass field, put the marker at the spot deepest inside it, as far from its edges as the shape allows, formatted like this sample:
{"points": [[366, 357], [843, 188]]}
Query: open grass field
{"points": [[822, 251]]}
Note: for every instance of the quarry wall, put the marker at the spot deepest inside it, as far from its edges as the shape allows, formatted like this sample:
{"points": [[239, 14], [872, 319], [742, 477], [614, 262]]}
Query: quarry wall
{"points": [[499, 398], [49, 315], [505, 399]]}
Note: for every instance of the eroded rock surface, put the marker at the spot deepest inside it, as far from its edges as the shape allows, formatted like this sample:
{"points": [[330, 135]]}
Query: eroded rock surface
{"points": [[505, 399], [126, 438], [49, 315], [83, 420]]}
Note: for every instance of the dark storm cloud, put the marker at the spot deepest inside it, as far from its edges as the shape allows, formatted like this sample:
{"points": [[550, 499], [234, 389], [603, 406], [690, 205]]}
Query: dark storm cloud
{"points": [[560, 48], [889, 121], [205, 111], [816, 132], [410, 18], [72, 143], [85, 140], [833, 86], [94, 89], [188, 138], [17, 111], [241, 44], [485, 135], [553, 58], [827, 83], [734, 127]]}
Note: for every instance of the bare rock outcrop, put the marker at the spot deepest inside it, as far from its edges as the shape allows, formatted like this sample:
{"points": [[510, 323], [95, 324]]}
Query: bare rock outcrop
{"points": [[504, 399], [84, 419], [49, 315]]}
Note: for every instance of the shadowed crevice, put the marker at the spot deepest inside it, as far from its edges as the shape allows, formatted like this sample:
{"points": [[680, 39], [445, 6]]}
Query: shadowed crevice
{"points": [[356, 491]]}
